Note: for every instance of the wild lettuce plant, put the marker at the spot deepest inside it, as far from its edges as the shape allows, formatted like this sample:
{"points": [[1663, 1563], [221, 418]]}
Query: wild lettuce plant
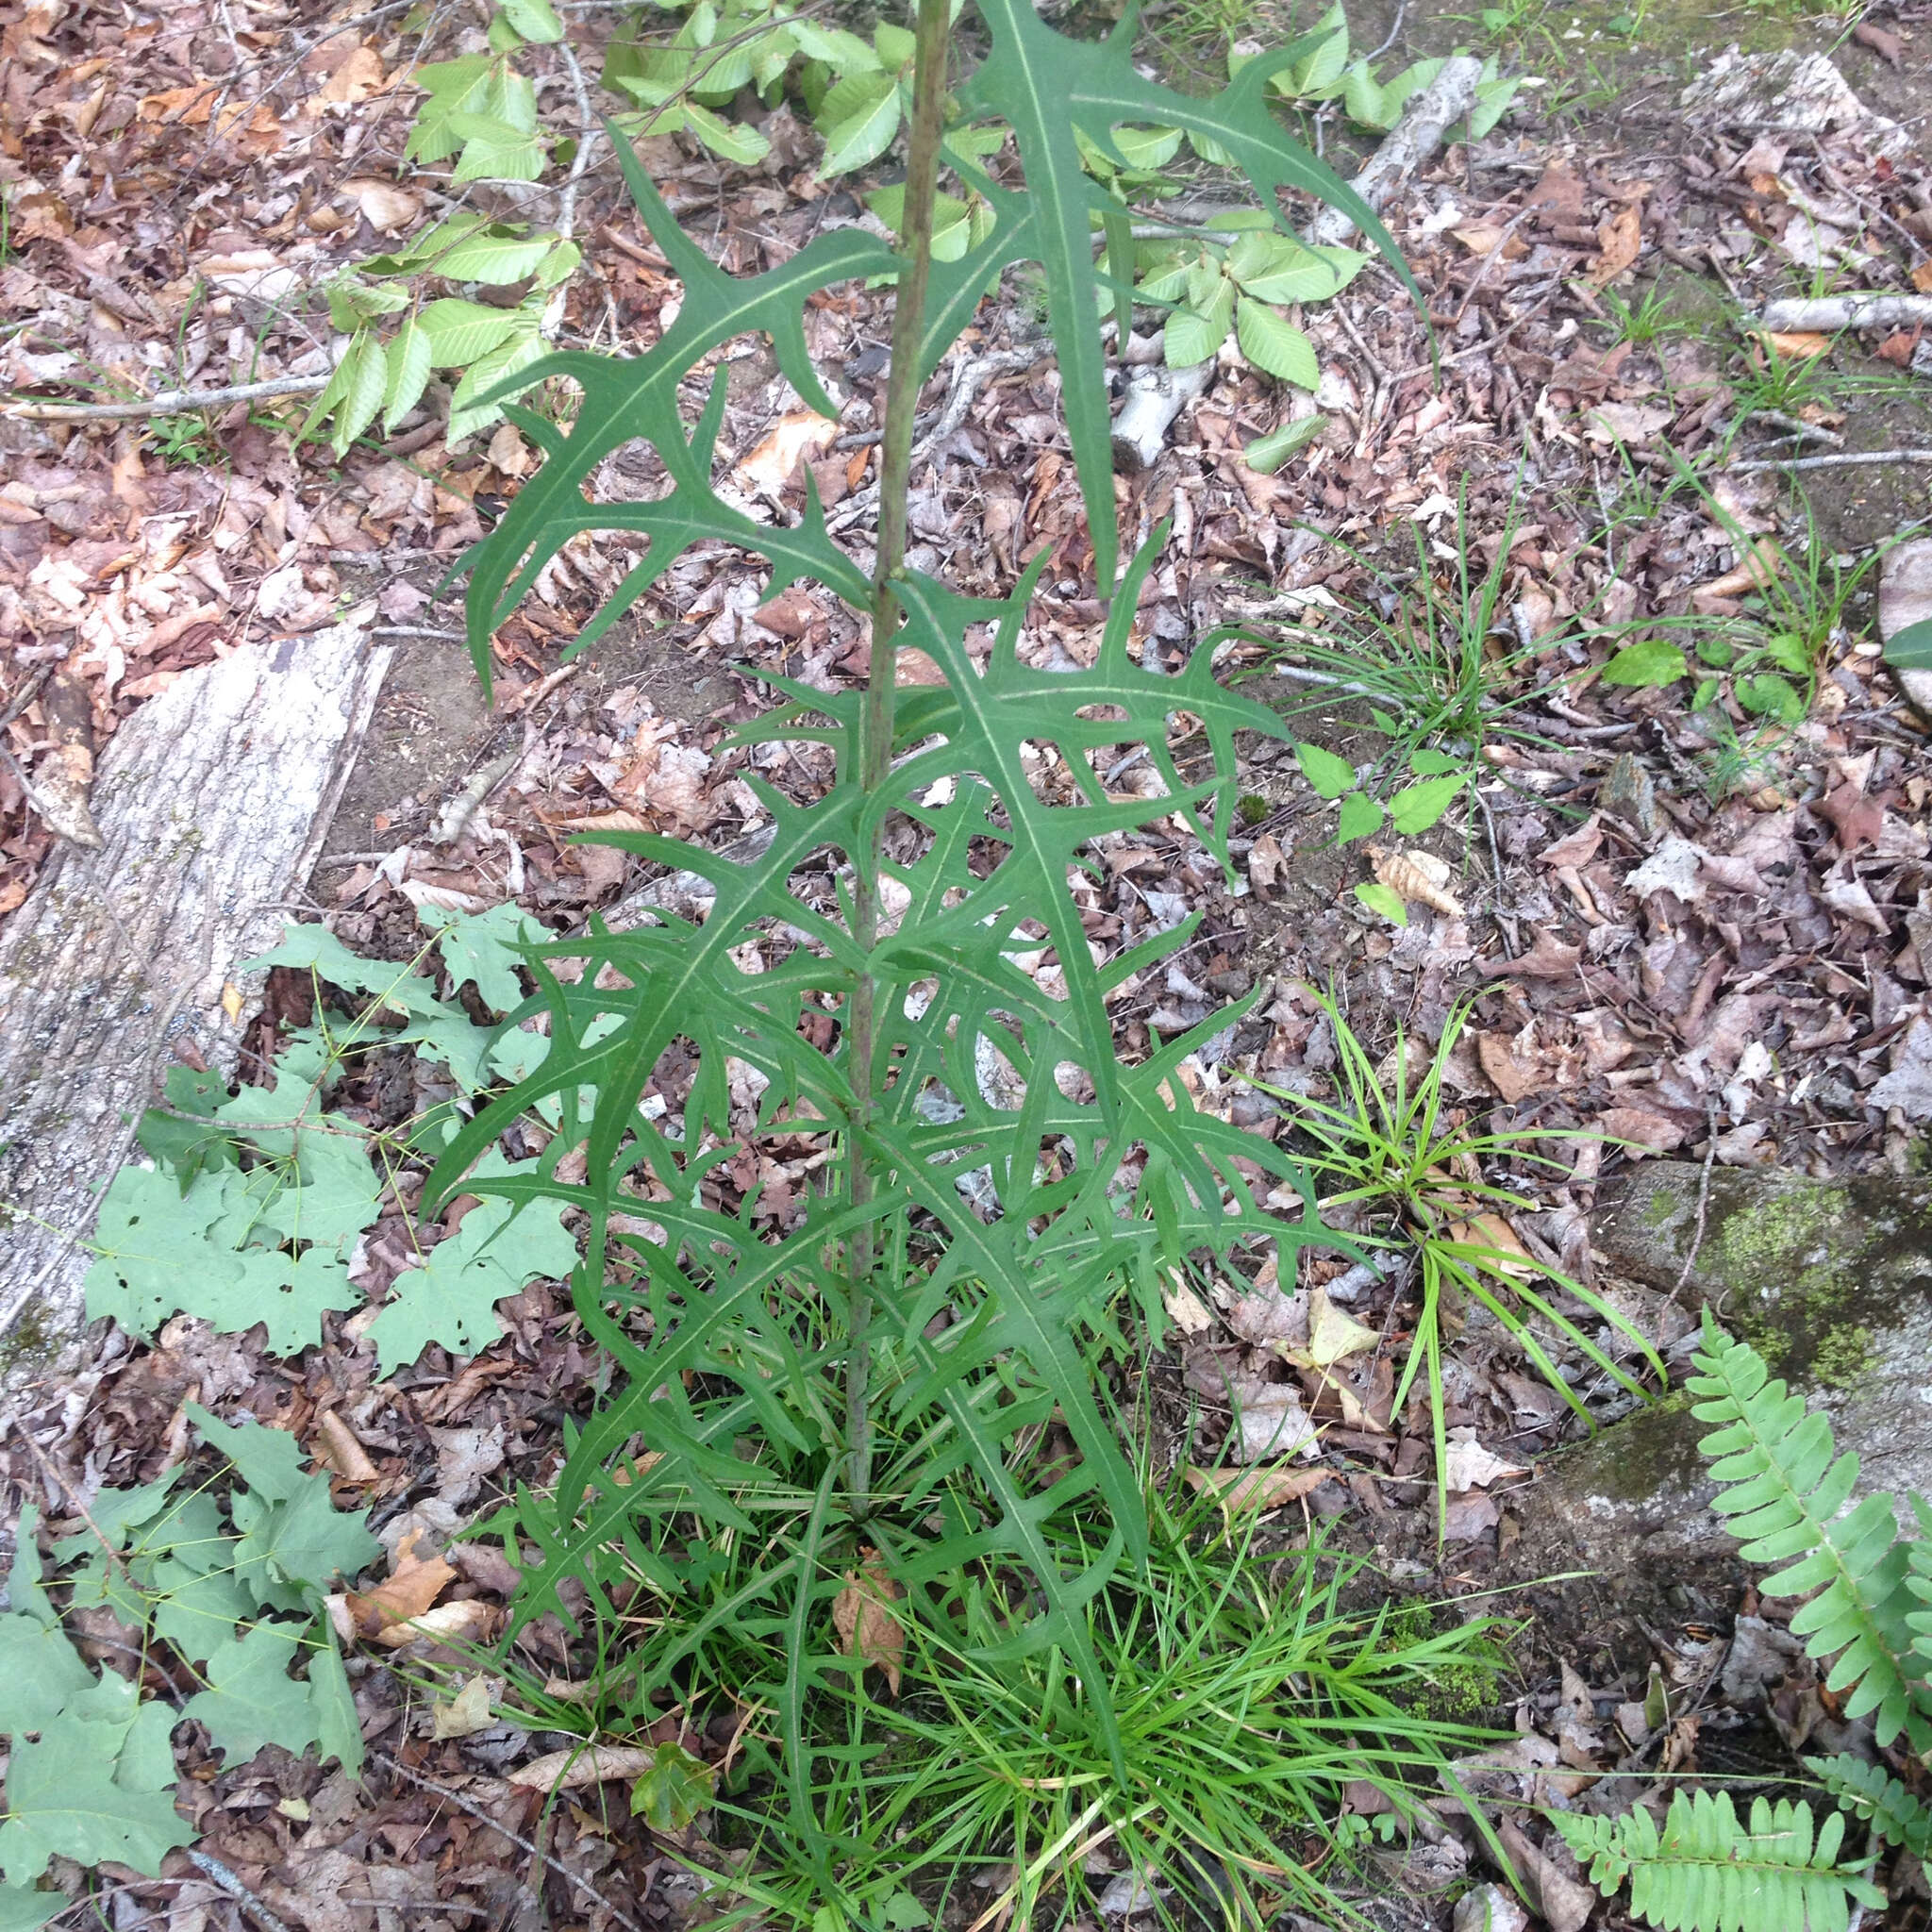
{"points": [[904, 973]]}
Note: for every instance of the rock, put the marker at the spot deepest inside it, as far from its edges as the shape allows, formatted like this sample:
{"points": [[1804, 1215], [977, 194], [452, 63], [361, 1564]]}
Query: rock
{"points": [[1831, 1281], [1905, 596], [1488, 1909], [1790, 92]]}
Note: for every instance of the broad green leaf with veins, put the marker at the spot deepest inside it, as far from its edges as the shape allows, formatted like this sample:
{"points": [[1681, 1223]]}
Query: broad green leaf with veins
{"points": [[251, 1699], [450, 1298], [62, 1800]]}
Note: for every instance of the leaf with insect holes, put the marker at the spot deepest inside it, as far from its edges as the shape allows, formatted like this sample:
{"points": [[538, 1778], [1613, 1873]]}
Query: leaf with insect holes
{"points": [[1384, 900], [1360, 816], [1329, 772], [1647, 664]]}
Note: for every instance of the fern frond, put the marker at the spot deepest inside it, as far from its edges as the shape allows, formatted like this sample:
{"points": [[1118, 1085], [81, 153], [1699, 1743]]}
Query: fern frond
{"points": [[1705, 1873], [1871, 1792], [1918, 1583], [1784, 1491]]}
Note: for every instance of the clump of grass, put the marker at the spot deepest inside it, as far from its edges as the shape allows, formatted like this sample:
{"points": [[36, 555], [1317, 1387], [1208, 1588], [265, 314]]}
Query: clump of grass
{"points": [[1389, 1143], [1445, 670], [1248, 1699]]}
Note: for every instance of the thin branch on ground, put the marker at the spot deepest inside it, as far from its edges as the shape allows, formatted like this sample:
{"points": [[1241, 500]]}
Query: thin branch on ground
{"points": [[522, 1844], [178, 402], [1844, 461], [250, 1903]]}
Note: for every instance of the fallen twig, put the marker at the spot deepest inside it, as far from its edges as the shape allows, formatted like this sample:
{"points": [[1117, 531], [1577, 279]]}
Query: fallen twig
{"points": [[1843, 459], [214, 1868], [522, 1844], [1798, 315], [1414, 139], [178, 402]]}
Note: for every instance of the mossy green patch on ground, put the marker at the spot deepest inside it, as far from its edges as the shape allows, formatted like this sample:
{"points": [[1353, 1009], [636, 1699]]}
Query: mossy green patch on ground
{"points": [[1659, 1458]]}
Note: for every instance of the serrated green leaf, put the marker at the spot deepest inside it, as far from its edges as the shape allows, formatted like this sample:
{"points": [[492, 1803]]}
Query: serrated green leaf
{"points": [[1191, 337], [1305, 274], [1359, 817], [1266, 454], [62, 1800], [859, 119], [365, 374], [1417, 807], [1273, 343], [1384, 900], [838, 48], [289, 1550], [1649, 662], [730, 139], [894, 44], [1329, 772], [535, 20], [495, 258], [478, 399], [41, 1672], [450, 1298], [409, 357], [251, 1699], [1317, 59]]}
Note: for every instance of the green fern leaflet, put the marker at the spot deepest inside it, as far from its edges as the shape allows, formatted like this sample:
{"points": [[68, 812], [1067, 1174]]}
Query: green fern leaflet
{"points": [[1705, 1873], [1785, 1493]]}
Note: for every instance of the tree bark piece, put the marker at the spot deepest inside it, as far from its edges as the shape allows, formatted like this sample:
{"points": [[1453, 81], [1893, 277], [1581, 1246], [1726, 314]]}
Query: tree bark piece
{"points": [[1800, 315], [1831, 1281], [1413, 139], [211, 803], [1155, 397]]}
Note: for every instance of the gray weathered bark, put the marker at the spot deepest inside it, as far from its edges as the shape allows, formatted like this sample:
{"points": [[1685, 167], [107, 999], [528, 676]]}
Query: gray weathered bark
{"points": [[1831, 1281], [212, 802]]}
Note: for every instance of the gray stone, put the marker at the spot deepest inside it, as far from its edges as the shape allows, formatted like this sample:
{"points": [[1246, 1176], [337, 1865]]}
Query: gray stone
{"points": [[1831, 1281]]}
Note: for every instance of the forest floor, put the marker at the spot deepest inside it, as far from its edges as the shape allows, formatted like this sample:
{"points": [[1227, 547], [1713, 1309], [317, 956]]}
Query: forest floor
{"points": [[1692, 933]]}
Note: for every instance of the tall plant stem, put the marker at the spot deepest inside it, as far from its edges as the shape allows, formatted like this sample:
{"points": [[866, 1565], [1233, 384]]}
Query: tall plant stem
{"points": [[876, 717]]}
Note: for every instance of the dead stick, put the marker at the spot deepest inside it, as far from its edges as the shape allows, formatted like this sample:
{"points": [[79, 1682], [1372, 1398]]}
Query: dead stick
{"points": [[1416, 137], [1841, 462], [522, 1844], [178, 402]]}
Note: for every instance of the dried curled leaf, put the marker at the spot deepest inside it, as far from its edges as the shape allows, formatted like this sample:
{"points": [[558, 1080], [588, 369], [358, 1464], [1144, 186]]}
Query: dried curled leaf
{"points": [[1419, 878], [865, 1622]]}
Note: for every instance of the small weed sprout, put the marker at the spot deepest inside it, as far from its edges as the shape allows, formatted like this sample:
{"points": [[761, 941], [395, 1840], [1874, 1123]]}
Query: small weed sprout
{"points": [[1390, 1144]]}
